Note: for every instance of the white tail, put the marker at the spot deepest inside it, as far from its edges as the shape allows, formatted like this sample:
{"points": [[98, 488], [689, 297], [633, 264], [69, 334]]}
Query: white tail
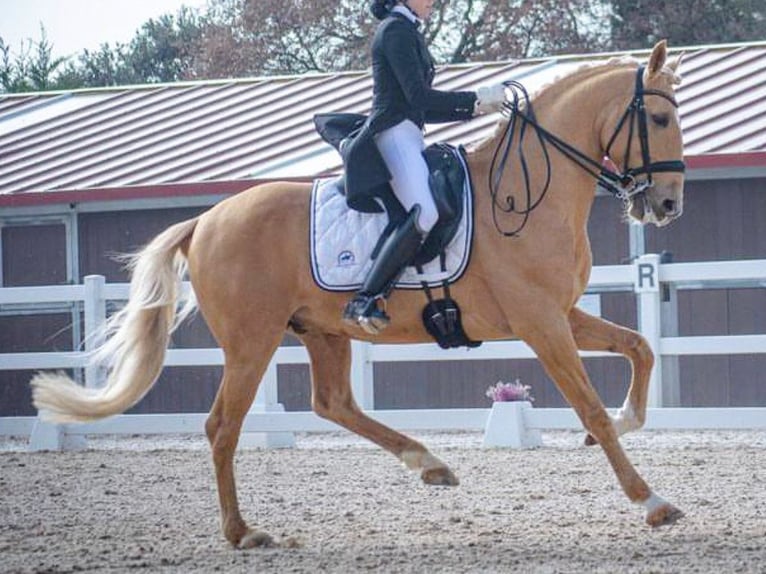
{"points": [[136, 337]]}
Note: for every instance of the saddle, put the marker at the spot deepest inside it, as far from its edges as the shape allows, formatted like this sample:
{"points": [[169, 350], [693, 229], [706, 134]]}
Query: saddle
{"points": [[446, 182], [441, 317]]}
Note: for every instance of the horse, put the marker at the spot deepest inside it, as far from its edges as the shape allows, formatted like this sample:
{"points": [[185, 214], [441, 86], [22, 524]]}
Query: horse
{"points": [[248, 263]]}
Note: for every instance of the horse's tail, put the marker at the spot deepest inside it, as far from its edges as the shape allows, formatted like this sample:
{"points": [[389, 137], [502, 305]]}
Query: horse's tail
{"points": [[135, 338]]}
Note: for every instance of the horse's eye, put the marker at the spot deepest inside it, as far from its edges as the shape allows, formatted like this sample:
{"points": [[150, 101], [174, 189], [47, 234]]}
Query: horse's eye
{"points": [[661, 120]]}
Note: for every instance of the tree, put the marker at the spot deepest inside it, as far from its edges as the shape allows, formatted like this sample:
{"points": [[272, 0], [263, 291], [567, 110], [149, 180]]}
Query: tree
{"points": [[95, 68], [640, 23], [256, 37], [163, 50], [237, 38], [472, 30], [32, 69]]}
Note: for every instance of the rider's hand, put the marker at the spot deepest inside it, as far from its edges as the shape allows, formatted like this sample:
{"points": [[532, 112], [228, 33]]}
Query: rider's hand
{"points": [[489, 99]]}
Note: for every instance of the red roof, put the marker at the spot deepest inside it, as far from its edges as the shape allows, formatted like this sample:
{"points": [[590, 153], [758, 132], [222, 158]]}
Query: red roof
{"points": [[220, 136]]}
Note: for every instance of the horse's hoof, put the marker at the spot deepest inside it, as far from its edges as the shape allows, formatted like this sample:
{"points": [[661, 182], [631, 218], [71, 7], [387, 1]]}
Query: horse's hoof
{"points": [[439, 477], [590, 441], [663, 515], [255, 540]]}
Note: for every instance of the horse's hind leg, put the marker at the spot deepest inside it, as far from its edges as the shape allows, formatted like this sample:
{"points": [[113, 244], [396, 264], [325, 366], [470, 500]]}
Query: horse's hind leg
{"points": [[551, 337], [596, 334], [332, 399], [243, 371]]}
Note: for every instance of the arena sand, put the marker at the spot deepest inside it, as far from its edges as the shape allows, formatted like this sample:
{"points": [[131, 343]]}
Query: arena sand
{"points": [[336, 503]]}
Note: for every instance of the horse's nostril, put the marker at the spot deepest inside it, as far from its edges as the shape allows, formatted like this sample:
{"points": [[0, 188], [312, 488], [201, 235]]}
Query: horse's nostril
{"points": [[669, 206]]}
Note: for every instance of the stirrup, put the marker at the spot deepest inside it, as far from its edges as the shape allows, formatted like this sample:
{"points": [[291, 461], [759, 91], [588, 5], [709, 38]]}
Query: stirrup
{"points": [[363, 311]]}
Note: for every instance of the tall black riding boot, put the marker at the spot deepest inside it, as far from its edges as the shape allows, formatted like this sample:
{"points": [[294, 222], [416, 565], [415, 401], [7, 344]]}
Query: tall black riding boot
{"points": [[397, 252]]}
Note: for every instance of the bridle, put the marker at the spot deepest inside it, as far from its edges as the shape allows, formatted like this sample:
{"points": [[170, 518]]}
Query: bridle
{"points": [[622, 184], [635, 115]]}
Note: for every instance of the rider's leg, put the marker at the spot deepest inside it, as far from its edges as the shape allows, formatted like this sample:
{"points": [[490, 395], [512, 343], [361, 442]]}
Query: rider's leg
{"points": [[397, 252], [401, 148]]}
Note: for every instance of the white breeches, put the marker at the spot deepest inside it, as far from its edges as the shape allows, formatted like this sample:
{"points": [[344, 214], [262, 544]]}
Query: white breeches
{"points": [[401, 147]]}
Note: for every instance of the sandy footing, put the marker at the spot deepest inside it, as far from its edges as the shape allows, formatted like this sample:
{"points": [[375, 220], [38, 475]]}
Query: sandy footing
{"points": [[336, 503]]}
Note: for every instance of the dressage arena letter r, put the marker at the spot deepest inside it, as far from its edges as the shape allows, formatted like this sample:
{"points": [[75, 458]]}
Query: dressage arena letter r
{"points": [[647, 274]]}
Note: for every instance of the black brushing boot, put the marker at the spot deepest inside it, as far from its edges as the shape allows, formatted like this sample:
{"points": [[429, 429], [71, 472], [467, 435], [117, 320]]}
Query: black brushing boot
{"points": [[397, 252]]}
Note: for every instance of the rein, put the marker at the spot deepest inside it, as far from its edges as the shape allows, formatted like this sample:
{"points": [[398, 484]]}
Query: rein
{"points": [[622, 185]]}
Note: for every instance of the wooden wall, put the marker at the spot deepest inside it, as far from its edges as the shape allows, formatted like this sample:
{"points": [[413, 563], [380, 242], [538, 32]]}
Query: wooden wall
{"points": [[29, 333], [722, 220], [179, 389], [31, 255]]}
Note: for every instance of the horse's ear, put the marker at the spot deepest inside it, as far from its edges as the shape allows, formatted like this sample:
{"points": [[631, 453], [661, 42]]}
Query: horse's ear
{"points": [[658, 58], [675, 63]]}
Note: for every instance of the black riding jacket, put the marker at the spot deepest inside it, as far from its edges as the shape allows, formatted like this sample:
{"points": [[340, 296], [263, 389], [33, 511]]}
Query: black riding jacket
{"points": [[402, 71]]}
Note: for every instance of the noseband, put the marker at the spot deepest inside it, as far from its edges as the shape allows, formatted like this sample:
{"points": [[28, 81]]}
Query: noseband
{"points": [[623, 184]]}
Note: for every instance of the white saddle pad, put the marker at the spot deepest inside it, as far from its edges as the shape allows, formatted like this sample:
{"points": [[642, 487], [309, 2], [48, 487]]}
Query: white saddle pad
{"points": [[342, 241]]}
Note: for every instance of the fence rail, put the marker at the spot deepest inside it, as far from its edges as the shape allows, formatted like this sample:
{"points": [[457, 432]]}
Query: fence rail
{"points": [[645, 278]]}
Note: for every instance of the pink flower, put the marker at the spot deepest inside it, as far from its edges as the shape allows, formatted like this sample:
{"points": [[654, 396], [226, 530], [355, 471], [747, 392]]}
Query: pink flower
{"points": [[515, 391]]}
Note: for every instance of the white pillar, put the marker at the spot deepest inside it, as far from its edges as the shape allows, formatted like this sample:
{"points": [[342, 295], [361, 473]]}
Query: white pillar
{"points": [[507, 427], [46, 436], [671, 371], [646, 284], [49, 436], [267, 401], [94, 310], [362, 383]]}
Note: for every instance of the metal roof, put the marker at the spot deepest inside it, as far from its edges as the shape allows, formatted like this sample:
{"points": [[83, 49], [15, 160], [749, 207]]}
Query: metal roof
{"points": [[201, 132]]}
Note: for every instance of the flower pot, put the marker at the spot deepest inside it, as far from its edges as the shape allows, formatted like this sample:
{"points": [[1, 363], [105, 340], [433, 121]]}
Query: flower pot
{"points": [[506, 426]]}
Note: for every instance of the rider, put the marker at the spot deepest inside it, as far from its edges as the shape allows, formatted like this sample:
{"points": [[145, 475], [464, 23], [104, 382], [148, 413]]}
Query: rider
{"points": [[403, 101]]}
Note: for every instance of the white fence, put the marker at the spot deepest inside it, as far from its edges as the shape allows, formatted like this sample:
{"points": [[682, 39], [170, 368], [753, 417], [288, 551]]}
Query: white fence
{"points": [[647, 277]]}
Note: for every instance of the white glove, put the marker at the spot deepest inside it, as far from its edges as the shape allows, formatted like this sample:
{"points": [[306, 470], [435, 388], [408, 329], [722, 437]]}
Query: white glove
{"points": [[489, 99]]}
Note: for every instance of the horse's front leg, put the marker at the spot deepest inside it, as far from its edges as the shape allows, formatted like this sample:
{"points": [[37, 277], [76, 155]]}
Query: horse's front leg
{"points": [[596, 334], [551, 337], [332, 399]]}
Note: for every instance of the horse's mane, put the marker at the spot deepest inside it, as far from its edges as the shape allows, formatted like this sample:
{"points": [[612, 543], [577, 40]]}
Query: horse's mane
{"points": [[583, 72]]}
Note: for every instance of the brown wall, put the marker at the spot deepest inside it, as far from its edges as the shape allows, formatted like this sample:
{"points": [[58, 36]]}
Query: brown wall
{"points": [[722, 220], [32, 255], [28, 334], [103, 235], [179, 389]]}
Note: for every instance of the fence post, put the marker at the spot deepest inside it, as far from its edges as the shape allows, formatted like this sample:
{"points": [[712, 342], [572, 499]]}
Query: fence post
{"points": [[267, 401], [48, 436], [94, 311], [362, 383], [671, 372], [646, 284]]}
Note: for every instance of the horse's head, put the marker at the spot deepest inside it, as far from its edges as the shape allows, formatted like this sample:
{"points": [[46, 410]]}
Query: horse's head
{"points": [[646, 143]]}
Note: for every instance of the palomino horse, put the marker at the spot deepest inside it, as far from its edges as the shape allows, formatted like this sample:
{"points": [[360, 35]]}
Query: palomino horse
{"points": [[248, 262]]}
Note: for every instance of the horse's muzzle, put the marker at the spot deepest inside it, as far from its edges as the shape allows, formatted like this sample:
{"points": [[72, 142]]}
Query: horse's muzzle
{"points": [[645, 209], [672, 209]]}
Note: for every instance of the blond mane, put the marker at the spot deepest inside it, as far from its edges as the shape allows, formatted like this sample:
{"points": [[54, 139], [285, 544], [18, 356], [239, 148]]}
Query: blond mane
{"points": [[562, 81]]}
